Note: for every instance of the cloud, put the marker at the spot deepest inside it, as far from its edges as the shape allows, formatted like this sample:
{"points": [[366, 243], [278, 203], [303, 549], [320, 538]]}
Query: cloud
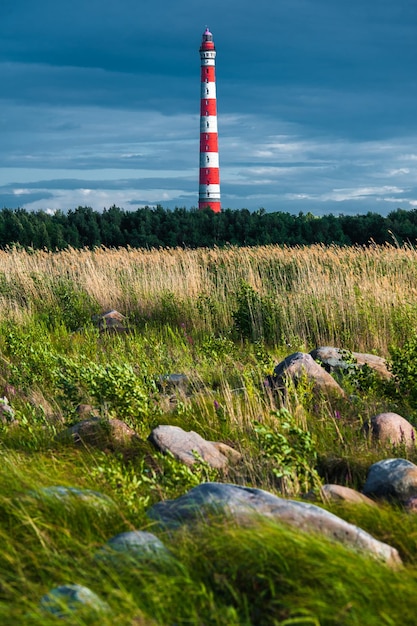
{"points": [[316, 103]]}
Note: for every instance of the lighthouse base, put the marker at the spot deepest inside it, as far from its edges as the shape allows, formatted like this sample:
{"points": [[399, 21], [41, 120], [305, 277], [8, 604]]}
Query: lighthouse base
{"points": [[207, 204]]}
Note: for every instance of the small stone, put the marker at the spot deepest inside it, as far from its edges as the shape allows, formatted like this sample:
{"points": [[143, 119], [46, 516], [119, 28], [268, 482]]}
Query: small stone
{"points": [[230, 453], [172, 382], [138, 542], [110, 321], [411, 504], [70, 600], [73, 494], [338, 493], [7, 415], [134, 547], [188, 447]]}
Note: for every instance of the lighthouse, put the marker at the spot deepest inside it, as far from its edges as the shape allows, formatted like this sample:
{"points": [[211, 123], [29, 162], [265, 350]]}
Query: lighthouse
{"points": [[209, 184]]}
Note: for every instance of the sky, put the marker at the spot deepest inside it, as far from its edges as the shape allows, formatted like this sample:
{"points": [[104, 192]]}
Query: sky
{"points": [[316, 100]]}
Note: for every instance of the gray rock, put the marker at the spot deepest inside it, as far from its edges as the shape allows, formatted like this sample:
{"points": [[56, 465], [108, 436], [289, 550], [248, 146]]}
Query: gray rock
{"points": [[411, 504], [7, 415], [336, 360], [72, 600], [299, 364], [132, 548], [392, 479], [100, 433], [188, 447], [110, 322], [73, 494], [338, 493], [230, 453], [138, 542], [244, 505], [376, 363], [332, 359], [392, 428], [173, 382]]}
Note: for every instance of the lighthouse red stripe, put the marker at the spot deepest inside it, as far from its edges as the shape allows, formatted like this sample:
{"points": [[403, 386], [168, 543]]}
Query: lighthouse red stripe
{"points": [[209, 142], [210, 176], [208, 74], [208, 107]]}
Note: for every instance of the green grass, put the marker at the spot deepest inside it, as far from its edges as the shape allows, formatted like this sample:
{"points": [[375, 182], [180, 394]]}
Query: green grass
{"points": [[224, 319]]}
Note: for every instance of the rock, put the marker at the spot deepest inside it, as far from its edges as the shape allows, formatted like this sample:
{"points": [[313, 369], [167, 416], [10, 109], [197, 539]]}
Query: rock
{"points": [[86, 410], [172, 382], [230, 453], [7, 415], [134, 547], [332, 359], [338, 493], [110, 321], [393, 429], [100, 433], [73, 600], [338, 360], [392, 479], [73, 494], [376, 363], [300, 364], [411, 504], [244, 505], [188, 447]]}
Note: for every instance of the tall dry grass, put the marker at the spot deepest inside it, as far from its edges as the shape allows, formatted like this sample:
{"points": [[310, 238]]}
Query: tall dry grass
{"points": [[361, 298]]}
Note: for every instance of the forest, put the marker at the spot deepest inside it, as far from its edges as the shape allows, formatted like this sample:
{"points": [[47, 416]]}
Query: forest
{"points": [[157, 227]]}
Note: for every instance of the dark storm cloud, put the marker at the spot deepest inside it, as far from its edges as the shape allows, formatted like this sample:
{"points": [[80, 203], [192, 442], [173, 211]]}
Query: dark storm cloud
{"points": [[316, 101]]}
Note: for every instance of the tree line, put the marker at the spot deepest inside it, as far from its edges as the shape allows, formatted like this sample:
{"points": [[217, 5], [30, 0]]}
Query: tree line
{"points": [[154, 227]]}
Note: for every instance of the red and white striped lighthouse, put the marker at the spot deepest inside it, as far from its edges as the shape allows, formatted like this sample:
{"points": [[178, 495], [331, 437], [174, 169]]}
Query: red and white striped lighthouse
{"points": [[209, 187]]}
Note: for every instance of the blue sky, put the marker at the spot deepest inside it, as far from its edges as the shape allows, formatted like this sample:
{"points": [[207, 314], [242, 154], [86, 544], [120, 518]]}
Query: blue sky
{"points": [[317, 103]]}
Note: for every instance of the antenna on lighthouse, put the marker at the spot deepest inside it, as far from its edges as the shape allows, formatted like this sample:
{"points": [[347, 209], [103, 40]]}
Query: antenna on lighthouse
{"points": [[209, 182]]}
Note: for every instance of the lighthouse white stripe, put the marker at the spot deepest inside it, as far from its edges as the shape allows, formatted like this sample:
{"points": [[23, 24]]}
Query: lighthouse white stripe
{"points": [[209, 191], [208, 124], [208, 90], [209, 159], [207, 57]]}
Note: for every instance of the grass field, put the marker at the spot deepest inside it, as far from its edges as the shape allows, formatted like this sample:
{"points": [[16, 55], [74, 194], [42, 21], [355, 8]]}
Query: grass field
{"points": [[223, 318]]}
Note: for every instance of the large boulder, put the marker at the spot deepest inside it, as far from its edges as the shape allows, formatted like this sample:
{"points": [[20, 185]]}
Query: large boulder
{"points": [[190, 447], [100, 433], [392, 479], [245, 505], [299, 365], [393, 429]]}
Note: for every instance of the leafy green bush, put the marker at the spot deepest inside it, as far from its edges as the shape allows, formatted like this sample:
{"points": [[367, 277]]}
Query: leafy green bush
{"points": [[403, 364], [115, 387], [289, 452]]}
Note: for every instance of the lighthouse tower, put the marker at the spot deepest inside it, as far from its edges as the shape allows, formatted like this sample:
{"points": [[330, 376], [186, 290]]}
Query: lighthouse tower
{"points": [[209, 187]]}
